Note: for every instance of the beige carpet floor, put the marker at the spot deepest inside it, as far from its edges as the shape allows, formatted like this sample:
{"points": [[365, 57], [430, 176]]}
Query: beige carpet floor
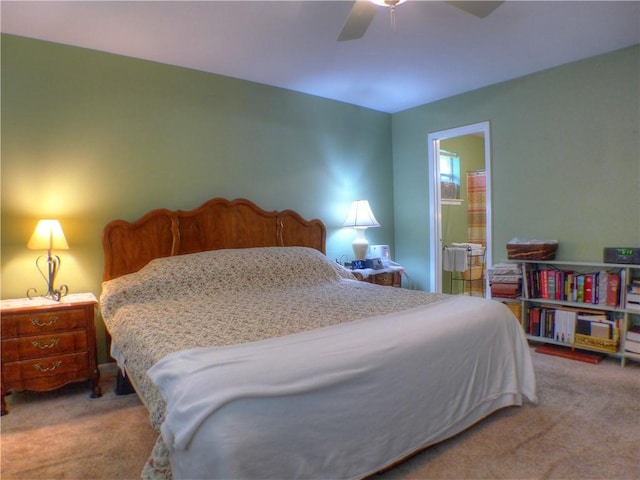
{"points": [[585, 426]]}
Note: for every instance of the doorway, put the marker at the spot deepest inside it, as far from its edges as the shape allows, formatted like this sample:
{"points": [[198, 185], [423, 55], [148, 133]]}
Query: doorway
{"points": [[444, 210]]}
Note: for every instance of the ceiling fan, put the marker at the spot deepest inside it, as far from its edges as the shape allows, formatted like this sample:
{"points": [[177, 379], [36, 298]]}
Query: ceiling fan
{"points": [[363, 11]]}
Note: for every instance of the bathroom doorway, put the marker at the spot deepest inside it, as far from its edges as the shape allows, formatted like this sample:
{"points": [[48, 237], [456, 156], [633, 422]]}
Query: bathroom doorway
{"points": [[460, 206]]}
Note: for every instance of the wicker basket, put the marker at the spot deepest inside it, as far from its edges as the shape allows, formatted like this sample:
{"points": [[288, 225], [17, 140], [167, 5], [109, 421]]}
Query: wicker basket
{"points": [[604, 345], [531, 251], [474, 269]]}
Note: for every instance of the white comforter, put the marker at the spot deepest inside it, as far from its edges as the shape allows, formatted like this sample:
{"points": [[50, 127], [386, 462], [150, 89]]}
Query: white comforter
{"points": [[342, 401]]}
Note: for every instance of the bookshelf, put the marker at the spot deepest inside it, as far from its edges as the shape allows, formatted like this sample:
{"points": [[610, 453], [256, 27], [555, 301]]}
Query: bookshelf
{"points": [[582, 305]]}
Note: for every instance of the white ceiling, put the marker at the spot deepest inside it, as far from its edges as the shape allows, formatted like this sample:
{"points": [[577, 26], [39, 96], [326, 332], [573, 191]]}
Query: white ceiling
{"points": [[436, 50]]}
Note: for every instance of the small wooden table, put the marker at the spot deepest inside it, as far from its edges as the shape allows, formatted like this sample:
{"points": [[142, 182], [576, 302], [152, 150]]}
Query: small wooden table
{"points": [[390, 276], [48, 344]]}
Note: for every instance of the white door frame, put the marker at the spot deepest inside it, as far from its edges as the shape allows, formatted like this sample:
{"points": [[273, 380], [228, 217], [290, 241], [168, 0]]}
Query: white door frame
{"points": [[435, 209]]}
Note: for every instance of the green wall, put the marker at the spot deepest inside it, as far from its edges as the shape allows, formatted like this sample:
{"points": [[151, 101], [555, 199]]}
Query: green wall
{"points": [[565, 159], [88, 137]]}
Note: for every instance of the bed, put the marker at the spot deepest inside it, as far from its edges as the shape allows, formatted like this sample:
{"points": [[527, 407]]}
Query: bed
{"points": [[259, 357]]}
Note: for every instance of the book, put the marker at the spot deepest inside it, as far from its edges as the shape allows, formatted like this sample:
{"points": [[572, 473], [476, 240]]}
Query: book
{"points": [[588, 288], [634, 333], [543, 323], [551, 285], [565, 326], [544, 284], [601, 330], [526, 281], [593, 317], [574, 288], [505, 290], [549, 320], [580, 288], [534, 321], [560, 276], [633, 301], [602, 278], [613, 290], [632, 346], [633, 297], [568, 286]]}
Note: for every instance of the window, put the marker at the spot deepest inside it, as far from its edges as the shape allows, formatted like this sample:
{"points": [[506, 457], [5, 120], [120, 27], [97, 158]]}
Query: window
{"points": [[449, 175]]}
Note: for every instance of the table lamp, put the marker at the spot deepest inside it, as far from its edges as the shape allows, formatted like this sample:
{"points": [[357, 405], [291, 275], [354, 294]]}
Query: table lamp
{"points": [[360, 217], [47, 236]]}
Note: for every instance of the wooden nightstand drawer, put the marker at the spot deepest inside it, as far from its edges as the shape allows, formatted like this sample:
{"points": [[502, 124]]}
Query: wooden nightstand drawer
{"points": [[47, 373], [43, 322], [385, 278], [15, 349]]}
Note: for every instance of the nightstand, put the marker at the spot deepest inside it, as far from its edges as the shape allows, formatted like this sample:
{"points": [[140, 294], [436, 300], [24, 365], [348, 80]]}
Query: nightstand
{"points": [[48, 344], [390, 276]]}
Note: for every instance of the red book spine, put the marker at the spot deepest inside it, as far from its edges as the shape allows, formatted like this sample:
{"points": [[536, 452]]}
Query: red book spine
{"points": [[544, 284], [534, 321], [613, 290], [588, 288]]}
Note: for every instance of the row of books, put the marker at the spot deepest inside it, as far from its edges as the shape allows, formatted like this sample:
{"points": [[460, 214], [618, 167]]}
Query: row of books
{"points": [[632, 340], [601, 287], [562, 324]]}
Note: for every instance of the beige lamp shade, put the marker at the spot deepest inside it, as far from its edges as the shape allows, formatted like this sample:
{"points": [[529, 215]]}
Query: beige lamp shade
{"points": [[48, 235]]}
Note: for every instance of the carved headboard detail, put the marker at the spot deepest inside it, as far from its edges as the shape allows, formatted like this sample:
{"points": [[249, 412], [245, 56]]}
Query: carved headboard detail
{"points": [[217, 224]]}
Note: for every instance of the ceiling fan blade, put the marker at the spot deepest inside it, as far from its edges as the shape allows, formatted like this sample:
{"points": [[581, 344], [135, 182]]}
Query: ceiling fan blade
{"points": [[358, 20], [479, 9]]}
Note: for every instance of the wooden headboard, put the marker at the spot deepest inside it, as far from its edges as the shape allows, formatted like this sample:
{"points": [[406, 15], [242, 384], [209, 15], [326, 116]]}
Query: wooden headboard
{"points": [[219, 223]]}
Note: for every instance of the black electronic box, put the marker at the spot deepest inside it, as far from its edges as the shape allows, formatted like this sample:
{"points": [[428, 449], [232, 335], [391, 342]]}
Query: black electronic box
{"points": [[629, 255]]}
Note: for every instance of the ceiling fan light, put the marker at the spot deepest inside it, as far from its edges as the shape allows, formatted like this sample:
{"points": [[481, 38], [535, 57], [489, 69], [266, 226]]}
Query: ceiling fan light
{"points": [[388, 3]]}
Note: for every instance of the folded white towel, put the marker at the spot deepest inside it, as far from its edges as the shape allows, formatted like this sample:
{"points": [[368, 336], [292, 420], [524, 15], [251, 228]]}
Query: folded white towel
{"points": [[472, 245], [455, 259], [476, 248]]}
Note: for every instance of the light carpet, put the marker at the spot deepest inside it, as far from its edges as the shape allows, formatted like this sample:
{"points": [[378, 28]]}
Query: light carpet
{"points": [[585, 426]]}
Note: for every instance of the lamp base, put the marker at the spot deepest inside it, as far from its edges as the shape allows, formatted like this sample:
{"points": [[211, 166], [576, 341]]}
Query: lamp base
{"points": [[55, 295], [53, 265], [360, 245]]}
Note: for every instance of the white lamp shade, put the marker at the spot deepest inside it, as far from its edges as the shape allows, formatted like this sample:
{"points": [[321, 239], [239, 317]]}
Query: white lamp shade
{"points": [[48, 235], [361, 215], [388, 3]]}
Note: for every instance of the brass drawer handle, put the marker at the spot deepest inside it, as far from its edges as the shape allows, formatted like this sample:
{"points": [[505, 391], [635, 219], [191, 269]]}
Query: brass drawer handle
{"points": [[51, 321], [42, 346], [53, 366]]}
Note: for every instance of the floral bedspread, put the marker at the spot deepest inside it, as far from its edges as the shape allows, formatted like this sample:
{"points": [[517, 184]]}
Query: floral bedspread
{"points": [[226, 297]]}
